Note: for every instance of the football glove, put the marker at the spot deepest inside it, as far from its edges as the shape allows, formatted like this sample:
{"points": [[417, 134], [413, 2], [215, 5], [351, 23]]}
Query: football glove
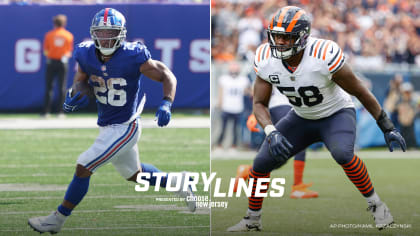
{"points": [[76, 102], [390, 133], [163, 114], [279, 147], [251, 123]]}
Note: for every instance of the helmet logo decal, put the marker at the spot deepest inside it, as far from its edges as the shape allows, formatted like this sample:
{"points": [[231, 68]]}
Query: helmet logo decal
{"points": [[106, 16], [280, 29]]}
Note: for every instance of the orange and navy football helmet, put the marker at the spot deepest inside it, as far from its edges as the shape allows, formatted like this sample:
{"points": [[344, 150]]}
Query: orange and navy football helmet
{"points": [[290, 23]]}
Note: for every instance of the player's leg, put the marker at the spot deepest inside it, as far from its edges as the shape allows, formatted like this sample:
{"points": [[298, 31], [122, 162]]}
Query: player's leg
{"points": [[300, 190], [62, 85], [297, 132], [236, 118], [339, 138], [128, 165], [49, 78], [110, 141], [225, 117]]}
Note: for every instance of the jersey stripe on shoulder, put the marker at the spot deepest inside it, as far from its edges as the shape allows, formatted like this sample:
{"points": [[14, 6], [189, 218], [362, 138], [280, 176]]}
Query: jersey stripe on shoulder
{"points": [[262, 54], [320, 48], [325, 50], [335, 57], [258, 55], [312, 47], [264, 51], [268, 53], [337, 62], [316, 48]]}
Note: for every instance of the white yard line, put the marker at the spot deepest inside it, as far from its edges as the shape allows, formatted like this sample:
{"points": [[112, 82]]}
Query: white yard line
{"points": [[136, 208], [72, 123]]}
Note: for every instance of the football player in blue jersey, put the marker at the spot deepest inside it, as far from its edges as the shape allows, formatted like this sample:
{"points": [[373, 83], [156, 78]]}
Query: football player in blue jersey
{"points": [[113, 68]]}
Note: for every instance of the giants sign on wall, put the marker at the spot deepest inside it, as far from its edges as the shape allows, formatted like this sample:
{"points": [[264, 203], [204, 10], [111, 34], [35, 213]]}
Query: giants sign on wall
{"points": [[178, 35]]}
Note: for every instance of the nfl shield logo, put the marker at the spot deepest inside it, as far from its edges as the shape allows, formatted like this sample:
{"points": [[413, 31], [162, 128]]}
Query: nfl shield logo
{"points": [[103, 68]]}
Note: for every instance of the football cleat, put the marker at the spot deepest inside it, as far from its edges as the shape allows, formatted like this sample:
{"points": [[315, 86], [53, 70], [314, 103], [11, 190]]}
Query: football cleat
{"points": [[51, 223], [301, 191], [241, 173], [381, 215], [187, 195], [248, 223]]}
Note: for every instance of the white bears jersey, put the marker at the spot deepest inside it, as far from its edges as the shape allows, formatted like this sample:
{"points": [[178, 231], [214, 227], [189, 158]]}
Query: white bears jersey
{"points": [[309, 88], [277, 99], [233, 90]]}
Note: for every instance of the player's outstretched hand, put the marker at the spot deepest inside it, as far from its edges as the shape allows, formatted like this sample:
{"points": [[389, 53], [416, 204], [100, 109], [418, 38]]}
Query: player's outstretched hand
{"points": [[278, 145], [391, 134], [76, 102], [163, 114], [251, 123], [394, 136]]}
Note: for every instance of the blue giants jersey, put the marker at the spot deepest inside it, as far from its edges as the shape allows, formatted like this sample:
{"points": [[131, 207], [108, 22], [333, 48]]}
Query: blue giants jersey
{"points": [[116, 83]]}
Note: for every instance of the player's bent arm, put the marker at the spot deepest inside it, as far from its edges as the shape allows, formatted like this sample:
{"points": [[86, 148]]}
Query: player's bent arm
{"points": [[347, 80], [80, 80], [157, 71], [262, 94]]}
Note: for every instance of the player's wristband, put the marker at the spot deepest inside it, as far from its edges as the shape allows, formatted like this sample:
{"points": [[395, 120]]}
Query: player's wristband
{"points": [[384, 122], [268, 129]]}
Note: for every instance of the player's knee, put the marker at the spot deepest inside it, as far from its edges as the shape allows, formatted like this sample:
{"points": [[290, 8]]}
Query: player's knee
{"points": [[342, 156], [265, 165], [82, 171]]}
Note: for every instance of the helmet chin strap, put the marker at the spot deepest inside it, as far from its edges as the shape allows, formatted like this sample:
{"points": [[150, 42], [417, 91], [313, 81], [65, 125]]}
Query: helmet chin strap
{"points": [[107, 51], [286, 54]]}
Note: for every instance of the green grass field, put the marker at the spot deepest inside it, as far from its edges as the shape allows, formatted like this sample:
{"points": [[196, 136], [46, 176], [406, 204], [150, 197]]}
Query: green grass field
{"points": [[395, 180], [37, 165]]}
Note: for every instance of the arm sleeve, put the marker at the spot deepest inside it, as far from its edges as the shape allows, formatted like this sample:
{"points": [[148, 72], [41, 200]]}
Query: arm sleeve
{"points": [[142, 54], [79, 58]]}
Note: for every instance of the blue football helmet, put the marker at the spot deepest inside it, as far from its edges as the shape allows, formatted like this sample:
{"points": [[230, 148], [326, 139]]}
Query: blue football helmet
{"points": [[108, 30]]}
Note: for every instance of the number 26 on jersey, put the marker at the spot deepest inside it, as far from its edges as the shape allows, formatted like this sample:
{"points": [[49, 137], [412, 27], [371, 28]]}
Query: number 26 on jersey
{"points": [[106, 93]]}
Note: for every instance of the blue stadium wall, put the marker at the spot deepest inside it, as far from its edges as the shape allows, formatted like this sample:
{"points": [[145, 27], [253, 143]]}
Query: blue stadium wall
{"points": [[178, 35]]}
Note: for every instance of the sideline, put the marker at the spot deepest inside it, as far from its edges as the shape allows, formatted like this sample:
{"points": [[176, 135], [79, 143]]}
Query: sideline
{"points": [[86, 123]]}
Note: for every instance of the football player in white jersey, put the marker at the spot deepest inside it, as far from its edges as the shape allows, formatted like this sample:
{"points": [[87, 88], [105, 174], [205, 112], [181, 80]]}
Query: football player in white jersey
{"points": [[315, 77], [279, 106]]}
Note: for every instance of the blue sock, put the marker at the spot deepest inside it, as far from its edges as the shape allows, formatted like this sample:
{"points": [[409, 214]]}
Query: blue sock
{"points": [[64, 210], [149, 168], [76, 190]]}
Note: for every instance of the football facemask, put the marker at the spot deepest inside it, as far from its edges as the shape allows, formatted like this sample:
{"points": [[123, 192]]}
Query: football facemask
{"points": [[108, 30]]}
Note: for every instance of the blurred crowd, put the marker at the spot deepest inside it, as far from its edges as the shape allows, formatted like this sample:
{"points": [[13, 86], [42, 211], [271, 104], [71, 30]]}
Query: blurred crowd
{"points": [[31, 2], [402, 102], [371, 32]]}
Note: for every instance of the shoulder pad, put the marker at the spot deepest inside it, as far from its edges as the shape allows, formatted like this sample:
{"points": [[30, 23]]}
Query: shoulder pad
{"points": [[329, 52]]}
